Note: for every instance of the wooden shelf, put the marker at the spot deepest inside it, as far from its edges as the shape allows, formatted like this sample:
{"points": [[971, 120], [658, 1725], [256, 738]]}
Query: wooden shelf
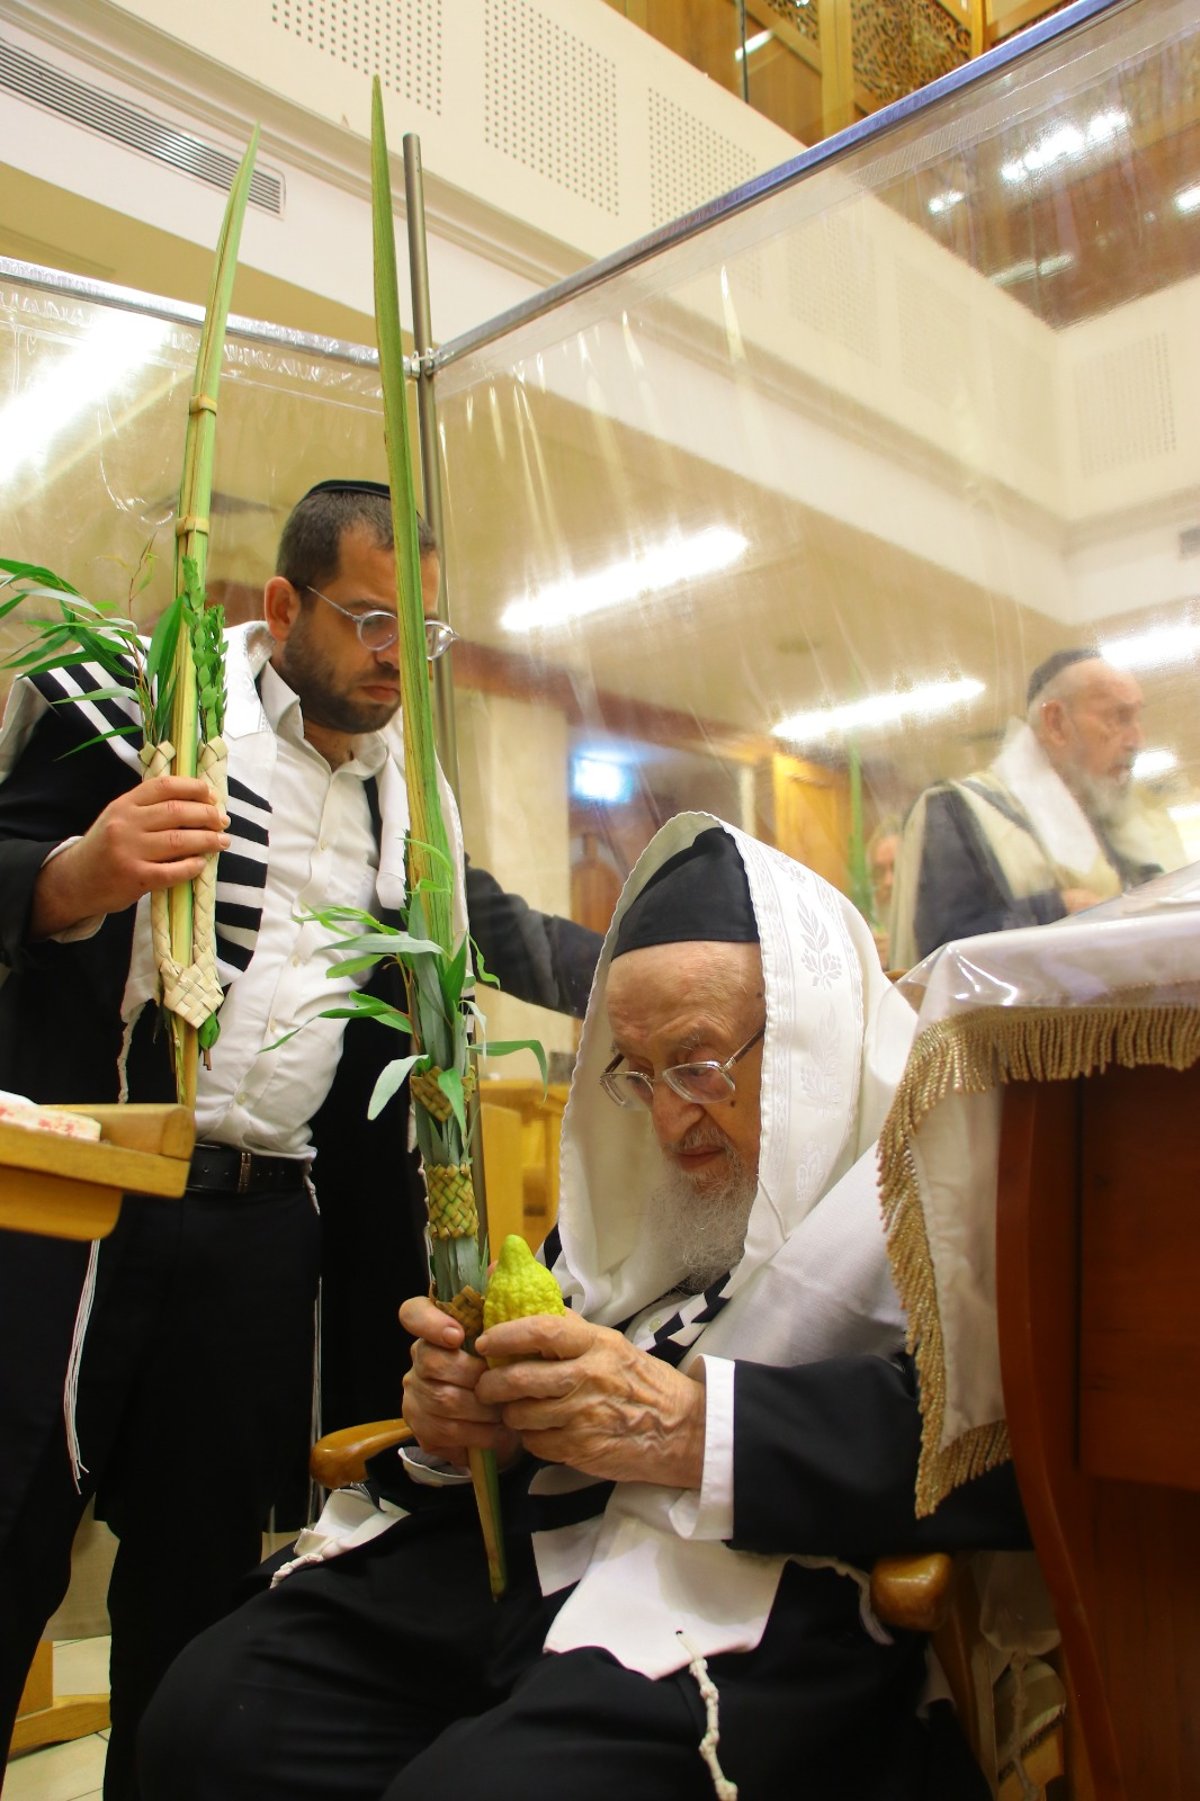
{"points": [[72, 1188]]}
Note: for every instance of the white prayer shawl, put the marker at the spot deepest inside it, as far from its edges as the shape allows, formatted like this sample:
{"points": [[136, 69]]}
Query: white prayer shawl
{"points": [[1061, 851], [812, 1282]]}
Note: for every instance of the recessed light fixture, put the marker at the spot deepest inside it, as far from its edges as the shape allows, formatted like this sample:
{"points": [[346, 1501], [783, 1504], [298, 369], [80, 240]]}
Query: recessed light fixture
{"points": [[670, 564], [1150, 650], [1065, 143], [877, 710], [942, 203]]}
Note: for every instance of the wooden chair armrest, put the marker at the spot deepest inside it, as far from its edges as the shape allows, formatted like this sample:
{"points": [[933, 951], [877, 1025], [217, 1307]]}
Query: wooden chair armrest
{"points": [[913, 1593], [341, 1458]]}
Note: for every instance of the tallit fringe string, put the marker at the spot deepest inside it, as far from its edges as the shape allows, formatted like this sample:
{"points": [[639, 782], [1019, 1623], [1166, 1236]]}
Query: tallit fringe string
{"points": [[83, 1314], [698, 1668], [972, 1055], [1013, 1753]]}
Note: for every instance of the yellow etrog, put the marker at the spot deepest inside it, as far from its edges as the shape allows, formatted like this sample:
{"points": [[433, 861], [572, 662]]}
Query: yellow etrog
{"points": [[519, 1286]]}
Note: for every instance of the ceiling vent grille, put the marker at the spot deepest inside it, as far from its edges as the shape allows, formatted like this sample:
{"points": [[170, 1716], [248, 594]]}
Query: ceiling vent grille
{"points": [[128, 125]]}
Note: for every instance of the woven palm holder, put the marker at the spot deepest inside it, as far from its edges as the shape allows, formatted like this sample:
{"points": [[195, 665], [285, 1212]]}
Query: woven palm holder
{"points": [[424, 1089], [467, 1308], [452, 1212]]}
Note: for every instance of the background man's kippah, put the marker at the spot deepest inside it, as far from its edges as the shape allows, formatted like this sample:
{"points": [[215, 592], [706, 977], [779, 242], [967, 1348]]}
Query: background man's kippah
{"points": [[338, 486], [701, 893], [1062, 659]]}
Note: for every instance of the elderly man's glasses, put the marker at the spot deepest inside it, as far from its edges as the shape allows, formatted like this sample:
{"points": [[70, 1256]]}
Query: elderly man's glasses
{"points": [[703, 1083], [379, 629]]}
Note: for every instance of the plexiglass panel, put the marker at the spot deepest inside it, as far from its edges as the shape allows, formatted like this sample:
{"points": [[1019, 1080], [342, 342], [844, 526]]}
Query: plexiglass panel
{"points": [[778, 522], [93, 409]]}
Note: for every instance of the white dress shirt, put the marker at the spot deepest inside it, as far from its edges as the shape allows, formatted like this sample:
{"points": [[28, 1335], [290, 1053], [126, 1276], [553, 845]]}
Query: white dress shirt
{"points": [[323, 853]]}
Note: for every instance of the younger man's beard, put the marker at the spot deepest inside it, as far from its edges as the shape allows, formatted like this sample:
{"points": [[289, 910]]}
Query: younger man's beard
{"points": [[705, 1227]]}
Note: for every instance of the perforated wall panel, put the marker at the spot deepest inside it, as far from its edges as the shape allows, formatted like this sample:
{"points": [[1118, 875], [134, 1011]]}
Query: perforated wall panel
{"points": [[832, 284], [935, 337], [1123, 405], [550, 101], [400, 40], [690, 161]]}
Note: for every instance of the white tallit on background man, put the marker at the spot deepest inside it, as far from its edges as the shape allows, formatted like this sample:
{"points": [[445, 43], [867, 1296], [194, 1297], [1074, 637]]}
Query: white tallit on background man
{"points": [[693, 1456], [1053, 826]]}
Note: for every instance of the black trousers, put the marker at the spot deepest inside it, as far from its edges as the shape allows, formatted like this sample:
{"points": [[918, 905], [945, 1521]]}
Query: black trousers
{"points": [[388, 1674], [194, 1403]]}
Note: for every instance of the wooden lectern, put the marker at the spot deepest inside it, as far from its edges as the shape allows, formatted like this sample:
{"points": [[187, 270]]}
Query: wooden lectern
{"points": [[1098, 1294]]}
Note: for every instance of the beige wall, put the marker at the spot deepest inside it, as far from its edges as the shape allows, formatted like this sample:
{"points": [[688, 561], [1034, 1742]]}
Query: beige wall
{"points": [[513, 771]]}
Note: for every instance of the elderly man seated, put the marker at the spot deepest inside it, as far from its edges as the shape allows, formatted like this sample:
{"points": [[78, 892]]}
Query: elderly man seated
{"points": [[700, 1458]]}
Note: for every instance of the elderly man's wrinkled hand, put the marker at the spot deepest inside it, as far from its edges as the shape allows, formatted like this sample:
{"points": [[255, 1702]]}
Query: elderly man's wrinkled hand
{"points": [[581, 1394], [440, 1399]]}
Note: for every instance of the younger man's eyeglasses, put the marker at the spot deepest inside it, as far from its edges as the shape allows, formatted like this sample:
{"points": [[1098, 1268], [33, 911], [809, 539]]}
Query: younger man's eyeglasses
{"points": [[704, 1083], [379, 629]]}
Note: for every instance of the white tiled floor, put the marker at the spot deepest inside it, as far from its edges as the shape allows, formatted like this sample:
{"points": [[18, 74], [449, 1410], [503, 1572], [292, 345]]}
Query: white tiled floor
{"points": [[75, 1771]]}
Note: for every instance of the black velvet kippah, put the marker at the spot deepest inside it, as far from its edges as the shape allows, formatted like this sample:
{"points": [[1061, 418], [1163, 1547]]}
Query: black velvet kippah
{"points": [[338, 486], [1045, 672], [700, 893]]}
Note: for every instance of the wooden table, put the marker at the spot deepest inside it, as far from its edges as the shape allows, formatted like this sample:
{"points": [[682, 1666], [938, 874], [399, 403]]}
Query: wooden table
{"points": [[73, 1188], [1098, 1291]]}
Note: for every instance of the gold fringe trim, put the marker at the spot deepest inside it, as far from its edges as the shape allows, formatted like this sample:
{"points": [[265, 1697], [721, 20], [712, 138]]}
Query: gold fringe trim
{"points": [[424, 1089], [452, 1212], [972, 1055]]}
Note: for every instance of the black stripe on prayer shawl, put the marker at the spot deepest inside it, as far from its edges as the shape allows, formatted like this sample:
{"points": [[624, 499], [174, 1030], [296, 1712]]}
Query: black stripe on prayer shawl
{"points": [[241, 918], [102, 716], [237, 871], [250, 829], [675, 1338]]}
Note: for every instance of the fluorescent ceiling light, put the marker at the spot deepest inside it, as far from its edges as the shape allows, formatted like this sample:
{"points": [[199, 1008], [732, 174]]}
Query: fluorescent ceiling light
{"points": [[941, 203], [81, 376], [757, 42], [1188, 199], [1149, 763], [1026, 270], [1149, 650], [668, 565], [1065, 143], [877, 710]]}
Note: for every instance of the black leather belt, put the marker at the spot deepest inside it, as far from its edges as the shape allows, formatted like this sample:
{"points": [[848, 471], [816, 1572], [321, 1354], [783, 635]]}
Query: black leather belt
{"points": [[219, 1169]]}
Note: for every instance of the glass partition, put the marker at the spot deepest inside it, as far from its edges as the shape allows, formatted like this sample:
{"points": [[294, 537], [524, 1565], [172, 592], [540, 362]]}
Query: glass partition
{"points": [[778, 519], [774, 521], [93, 408]]}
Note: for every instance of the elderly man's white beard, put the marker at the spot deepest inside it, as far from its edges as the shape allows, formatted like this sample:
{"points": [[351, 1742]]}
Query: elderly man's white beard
{"points": [[705, 1226], [1107, 802]]}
